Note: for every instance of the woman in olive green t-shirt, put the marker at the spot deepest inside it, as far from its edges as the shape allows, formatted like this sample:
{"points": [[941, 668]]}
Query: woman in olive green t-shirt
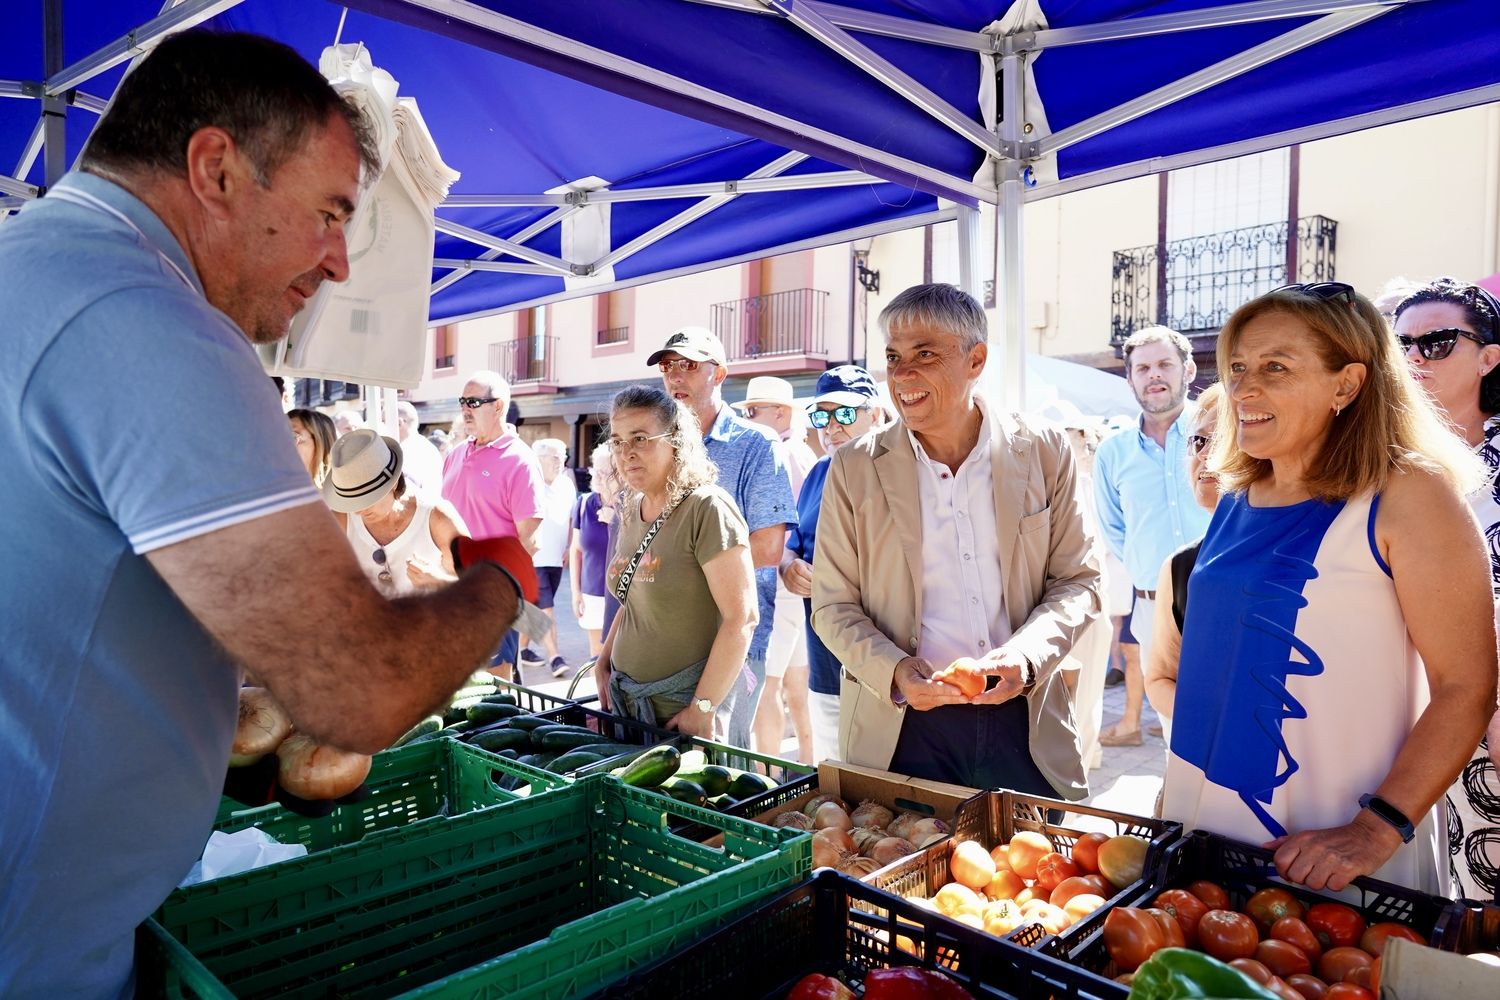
{"points": [[678, 644]]}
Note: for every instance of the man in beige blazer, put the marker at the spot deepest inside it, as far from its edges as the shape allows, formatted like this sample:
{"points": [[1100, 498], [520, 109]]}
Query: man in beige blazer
{"points": [[908, 576]]}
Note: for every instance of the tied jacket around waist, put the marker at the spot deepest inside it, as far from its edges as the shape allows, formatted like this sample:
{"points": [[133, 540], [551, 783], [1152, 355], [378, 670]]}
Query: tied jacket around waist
{"points": [[867, 583]]}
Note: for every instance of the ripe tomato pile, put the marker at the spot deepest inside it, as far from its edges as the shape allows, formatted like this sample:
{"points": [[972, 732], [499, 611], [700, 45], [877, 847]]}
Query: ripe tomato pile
{"points": [[1322, 952]]}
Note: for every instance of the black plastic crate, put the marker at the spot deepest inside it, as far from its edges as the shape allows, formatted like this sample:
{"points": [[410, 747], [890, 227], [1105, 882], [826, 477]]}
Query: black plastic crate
{"points": [[1243, 870], [838, 926]]}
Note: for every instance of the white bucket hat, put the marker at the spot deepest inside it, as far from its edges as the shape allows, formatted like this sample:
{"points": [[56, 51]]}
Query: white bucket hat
{"points": [[767, 389], [364, 468]]}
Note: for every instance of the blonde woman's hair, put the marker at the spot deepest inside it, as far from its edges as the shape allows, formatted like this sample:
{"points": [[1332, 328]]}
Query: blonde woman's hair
{"points": [[691, 466], [1389, 426], [1211, 398]]}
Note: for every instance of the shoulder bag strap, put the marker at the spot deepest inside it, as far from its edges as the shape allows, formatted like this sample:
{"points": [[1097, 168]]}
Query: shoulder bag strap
{"points": [[628, 573]]}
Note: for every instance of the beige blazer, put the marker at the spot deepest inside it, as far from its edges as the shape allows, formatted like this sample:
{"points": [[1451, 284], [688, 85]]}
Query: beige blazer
{"points": [[867, 583]]}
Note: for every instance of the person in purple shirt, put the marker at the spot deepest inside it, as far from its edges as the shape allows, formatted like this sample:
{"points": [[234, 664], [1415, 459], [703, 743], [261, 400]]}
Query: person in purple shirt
{"points": [[589, 553]]}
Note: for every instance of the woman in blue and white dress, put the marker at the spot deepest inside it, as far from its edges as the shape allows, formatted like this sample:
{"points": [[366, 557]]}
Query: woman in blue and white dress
{"points": [[1338, 658]]}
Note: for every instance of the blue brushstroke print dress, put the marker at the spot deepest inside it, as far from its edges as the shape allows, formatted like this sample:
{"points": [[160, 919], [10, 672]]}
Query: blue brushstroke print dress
{"points": [[1298, 683]]}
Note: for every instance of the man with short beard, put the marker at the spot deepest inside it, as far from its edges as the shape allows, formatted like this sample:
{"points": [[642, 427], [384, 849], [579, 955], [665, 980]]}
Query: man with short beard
{"points": [[1146, 507]]}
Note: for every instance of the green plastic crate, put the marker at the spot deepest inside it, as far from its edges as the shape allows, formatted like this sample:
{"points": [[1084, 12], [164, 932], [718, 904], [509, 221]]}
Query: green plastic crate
{"points": [[412, 783], [550, 897]]}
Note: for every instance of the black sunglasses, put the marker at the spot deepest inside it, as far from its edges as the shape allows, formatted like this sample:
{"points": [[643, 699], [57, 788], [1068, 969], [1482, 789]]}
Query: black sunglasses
{"points": [[1328, 291], [475, 402], [1197, 442], [1436, 345], [845, 415], [385, 569]]}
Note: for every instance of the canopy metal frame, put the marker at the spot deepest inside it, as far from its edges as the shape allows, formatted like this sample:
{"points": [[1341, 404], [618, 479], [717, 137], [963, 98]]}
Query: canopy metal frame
{"points": [[1008, 180]]}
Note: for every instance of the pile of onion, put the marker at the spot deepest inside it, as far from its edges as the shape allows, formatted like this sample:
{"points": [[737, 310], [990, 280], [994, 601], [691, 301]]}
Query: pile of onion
{"points": [[861, 841]]}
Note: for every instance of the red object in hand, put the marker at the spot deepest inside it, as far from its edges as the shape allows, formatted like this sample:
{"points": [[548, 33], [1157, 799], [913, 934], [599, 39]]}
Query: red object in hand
{"points": [[820, 987], [507, 553], [908, 983]]}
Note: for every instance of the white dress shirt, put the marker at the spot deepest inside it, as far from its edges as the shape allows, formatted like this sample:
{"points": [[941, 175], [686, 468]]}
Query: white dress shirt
{"points": [[963, 609]]}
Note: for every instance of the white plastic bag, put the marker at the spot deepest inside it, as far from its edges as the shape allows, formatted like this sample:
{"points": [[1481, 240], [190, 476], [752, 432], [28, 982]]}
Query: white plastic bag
{"points": [[232, 853]]}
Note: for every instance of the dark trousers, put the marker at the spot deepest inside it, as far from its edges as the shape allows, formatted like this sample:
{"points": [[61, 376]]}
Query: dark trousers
{"points": [[981, 746]]}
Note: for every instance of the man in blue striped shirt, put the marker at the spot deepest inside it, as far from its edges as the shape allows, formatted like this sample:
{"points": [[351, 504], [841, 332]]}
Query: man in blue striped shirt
{"points": [[1146, 506]]}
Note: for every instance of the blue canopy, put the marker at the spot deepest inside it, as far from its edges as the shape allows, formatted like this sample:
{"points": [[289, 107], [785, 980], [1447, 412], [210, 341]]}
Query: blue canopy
{"points": [[779, 124]]}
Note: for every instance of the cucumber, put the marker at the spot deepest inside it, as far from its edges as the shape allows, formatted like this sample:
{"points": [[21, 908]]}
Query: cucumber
{"points": [[716, 780], [426, 727], [502, 739], [461, 726], [559, 727], [437, 734], [500, 698], [484, 712], [538, 760], [483, 678], [684, 791], [748, 785], [606, 750], [572, 761], [652, 767], [529, 722], [563, 740]]}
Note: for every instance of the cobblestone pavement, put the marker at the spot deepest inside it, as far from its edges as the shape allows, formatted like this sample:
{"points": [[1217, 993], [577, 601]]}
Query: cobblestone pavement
{"points": [[1128, 781]]}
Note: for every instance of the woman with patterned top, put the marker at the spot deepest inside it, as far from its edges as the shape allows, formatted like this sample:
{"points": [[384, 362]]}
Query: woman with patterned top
{"points": [[1450, 331], [1338, 660]]}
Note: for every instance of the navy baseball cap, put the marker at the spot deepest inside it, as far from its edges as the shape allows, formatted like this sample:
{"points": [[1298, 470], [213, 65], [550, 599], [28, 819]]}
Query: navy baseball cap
{"points": [[845, 385]]}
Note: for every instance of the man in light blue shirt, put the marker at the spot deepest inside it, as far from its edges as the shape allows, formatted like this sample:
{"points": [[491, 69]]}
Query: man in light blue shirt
{"points": [[1146, 506], [753, 470]]}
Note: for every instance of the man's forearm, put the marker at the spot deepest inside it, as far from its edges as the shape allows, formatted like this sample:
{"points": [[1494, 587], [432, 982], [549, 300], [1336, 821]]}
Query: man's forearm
{"points": [[766, 546]]}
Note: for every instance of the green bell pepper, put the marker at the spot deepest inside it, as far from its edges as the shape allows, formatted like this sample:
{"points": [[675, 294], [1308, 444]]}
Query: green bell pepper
{"points": [[1179, 973]]}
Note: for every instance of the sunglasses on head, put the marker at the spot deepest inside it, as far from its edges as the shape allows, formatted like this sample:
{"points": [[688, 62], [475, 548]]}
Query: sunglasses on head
{"points": [[1197, 442], [1436, 345], [845, 415], [475, 402], [1328, 291]]}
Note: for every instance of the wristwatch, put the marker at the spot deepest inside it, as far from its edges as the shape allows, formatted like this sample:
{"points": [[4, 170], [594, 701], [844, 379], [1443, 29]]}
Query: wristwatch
{"points": [[704, 705], [1390, 814]]}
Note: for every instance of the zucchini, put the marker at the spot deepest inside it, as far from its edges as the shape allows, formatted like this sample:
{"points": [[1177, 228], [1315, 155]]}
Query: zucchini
{"points": [[572, 761], [563, 740], [427, 726], [501, 738], [540, 761], [436, 734], [716, 780], [606, 750], [684, 791], [749, 784], [652, 767], [484, 712]]}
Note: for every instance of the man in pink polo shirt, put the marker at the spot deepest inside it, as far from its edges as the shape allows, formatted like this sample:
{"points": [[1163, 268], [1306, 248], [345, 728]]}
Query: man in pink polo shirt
{"points": [[493, 480]]}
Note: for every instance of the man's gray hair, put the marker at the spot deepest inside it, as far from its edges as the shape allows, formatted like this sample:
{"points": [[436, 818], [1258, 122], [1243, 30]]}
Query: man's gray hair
{"points": [[494, 384], [406, 414], [1158, 335], [550, 446], [941, 305]]}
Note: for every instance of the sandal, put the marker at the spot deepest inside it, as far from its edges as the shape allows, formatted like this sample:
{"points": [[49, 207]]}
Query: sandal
{"points": [[1114, 738]]}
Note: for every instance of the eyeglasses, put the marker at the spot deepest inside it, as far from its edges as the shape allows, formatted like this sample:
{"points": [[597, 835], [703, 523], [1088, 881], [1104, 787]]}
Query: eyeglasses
{"points": [[1197, 442], [1437, 344], [683, 365], [751, 411], [475, 402], [619, 446], [845, 415], [1328, 291], [385, 569]]}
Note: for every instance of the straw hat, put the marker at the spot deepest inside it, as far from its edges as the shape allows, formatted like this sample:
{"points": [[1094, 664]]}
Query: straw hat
{"points": [[767, 389], [365, 467]]}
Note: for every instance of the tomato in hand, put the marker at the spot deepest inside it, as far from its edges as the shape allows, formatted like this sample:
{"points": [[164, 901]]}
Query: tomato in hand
{"points": [[1336, 925], [1373, 940], [1282, 958], [1211, 893], [1311, 987], [1270, 905], [1294, 931], [1053, 869], [1133, 935], [1086, 852], [1337, 963], [1227, 935], [1187, 908]]}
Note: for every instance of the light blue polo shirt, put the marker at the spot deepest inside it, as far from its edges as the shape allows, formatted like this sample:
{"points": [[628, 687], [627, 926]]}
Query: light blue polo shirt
{"points": [[1146, 505], [752, 469], [136, 415]]}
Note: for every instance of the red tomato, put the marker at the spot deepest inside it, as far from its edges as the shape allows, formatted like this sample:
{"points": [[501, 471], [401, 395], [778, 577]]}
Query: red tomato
{"points": [[1187, 908], [1282, 958], [1311, 987], [816, 986], [1227, 935], [1270, 905], [1336, 925], [1053, 869], [1337, 963], [1080, 885], [1360, 976], [1086, 854], [1347, 991], [1373, 940], [1133, 935], [1253, 969], [1170, 928], [1278, 986], [1212, 894], [1294, 931]]}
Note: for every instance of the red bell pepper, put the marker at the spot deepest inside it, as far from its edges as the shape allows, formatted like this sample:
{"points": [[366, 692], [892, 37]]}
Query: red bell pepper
{"points": [[909, 983]]}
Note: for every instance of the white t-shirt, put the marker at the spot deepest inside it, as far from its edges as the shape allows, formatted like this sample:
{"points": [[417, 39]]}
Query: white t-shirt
{"points": [[423, 465], [552, 533]]}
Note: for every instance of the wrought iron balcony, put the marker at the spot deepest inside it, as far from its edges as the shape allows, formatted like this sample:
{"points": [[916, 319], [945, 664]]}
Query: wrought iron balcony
{"points": [[1192, 285], [614, 335], [768, 326], [525, 359]]}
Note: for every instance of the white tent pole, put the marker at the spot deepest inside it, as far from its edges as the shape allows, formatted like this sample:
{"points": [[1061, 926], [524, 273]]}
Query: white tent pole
{"points": [[1011, 273], [968, 251], [1193, 20], [871, 23], [17, 188], [54, 108], [1210, 76], [752, 185], [541, 225], [505, 246]]}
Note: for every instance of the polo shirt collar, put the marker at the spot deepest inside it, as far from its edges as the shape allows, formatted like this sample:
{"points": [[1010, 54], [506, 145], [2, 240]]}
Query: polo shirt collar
{"points": [[138, 212], [723, 424]]}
